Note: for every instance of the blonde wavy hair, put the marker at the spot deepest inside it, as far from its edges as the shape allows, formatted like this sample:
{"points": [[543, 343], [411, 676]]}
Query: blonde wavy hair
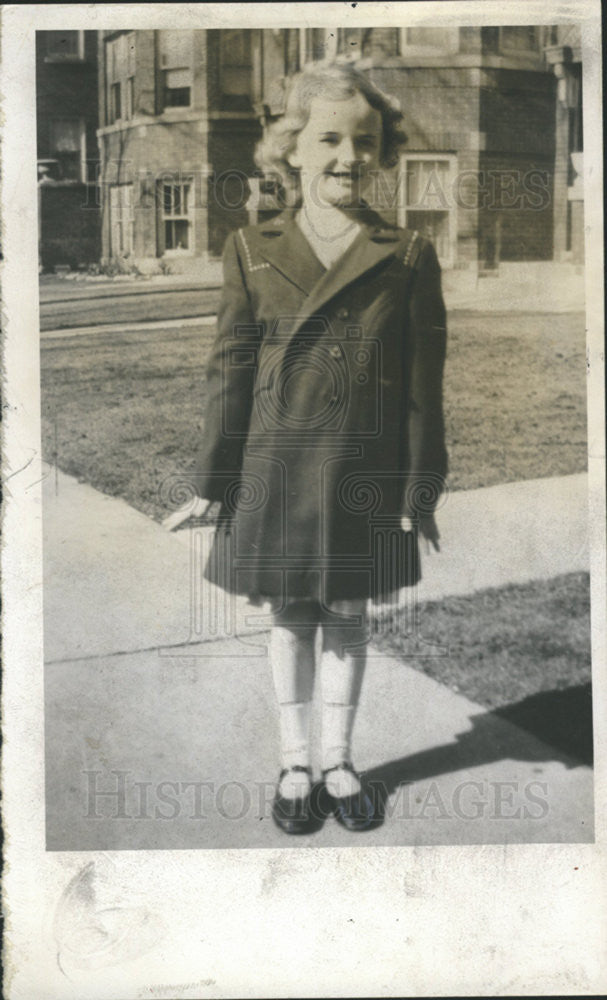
{"points": [[334, 80]]}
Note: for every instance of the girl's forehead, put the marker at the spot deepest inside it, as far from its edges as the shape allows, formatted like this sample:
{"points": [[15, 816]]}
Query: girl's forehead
{"points": [[349, 112]]}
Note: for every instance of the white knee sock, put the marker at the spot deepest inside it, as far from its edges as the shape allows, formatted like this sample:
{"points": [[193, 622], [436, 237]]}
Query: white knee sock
{"points": [[292, 662], [341, 681], [294, 718]]}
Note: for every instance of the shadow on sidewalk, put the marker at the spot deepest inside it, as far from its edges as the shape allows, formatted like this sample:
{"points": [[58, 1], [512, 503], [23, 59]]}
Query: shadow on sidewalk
{"points": [[560, 719]]}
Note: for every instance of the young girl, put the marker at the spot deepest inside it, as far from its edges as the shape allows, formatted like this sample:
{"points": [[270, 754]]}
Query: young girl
{"points": [[324, 421]]}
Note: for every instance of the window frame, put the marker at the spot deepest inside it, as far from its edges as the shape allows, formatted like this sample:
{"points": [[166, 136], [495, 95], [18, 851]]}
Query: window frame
{"points": [[227, 95], [177, 181], [81, 124], [125, 220], [164, 89], [120, 70], [115, 89], [170, 62], [403, 207]]}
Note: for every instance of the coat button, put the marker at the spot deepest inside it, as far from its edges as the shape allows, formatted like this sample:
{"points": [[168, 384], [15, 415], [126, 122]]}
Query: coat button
{"points": [[335, 351], [343, 313]]}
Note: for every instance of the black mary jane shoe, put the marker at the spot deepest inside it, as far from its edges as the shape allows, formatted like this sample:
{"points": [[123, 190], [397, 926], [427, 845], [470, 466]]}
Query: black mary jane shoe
{"points": [[294, 815], [355, 812]]}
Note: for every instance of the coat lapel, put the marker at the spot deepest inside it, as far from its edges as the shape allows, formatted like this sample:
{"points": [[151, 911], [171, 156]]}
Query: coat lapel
{"points": [[370, 248], [290, 253], [285, 247]]}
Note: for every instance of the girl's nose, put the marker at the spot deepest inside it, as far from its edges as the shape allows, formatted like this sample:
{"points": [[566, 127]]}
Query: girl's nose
{"points": [[347, 153]]}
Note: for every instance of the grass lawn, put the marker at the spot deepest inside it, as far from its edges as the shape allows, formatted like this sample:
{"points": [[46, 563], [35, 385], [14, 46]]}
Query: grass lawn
{"points": [[123, 412], [521, 650]]}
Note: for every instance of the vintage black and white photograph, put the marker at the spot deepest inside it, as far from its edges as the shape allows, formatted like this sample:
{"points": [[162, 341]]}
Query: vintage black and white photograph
{"points": [[316, 453], [314, 418]]}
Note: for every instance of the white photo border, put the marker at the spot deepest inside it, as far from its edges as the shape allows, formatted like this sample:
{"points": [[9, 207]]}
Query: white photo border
{"points": [[406, 921]]}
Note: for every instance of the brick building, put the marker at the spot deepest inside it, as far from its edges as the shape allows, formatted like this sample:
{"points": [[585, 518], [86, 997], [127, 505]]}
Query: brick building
{"points": [[177, 133], [491, 170], [66, 105]]}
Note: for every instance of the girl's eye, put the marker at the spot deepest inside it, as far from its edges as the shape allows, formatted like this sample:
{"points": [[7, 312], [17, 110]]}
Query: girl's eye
{"points": [[329, 137]]}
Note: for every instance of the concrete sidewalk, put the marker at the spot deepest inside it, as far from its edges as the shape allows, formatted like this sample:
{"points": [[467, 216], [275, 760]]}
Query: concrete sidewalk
{"points": [[147, 699]]}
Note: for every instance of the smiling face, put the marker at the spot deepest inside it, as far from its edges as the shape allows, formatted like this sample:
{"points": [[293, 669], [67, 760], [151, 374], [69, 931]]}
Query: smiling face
{"points": [[338, 150]]}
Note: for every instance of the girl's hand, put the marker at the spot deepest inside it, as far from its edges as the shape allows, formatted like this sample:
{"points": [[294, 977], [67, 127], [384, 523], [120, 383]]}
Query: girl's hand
{"points": [[428, 529], [195, 508]]}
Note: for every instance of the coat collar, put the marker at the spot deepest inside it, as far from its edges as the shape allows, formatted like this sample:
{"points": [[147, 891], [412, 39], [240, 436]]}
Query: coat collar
{"points": [[285, 247]]}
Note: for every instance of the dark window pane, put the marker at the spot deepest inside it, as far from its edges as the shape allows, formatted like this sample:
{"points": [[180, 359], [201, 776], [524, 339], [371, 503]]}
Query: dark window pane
{"points": [[115, 102], [182, 231], [177, 97], [236, 64], [176, 234]]}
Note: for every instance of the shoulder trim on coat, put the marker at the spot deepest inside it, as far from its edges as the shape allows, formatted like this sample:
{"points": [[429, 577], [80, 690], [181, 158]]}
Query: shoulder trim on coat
{"points": [[250, 265], [413, 249]]}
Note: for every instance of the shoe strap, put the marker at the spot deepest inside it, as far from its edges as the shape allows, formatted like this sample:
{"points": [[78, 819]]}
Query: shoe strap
{"points": [[295, 767], [345, 765]]}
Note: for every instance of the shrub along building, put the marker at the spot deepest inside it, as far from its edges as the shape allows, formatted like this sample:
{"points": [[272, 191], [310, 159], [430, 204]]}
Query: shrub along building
{"points": [[66, 103], [491, 171]]}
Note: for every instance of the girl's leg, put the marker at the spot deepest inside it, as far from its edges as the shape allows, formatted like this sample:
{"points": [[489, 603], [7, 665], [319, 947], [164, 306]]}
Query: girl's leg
{"points": [[292, 660], [341, 677]]}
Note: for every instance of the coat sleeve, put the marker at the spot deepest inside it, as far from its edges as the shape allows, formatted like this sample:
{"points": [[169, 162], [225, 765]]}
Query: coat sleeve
{"points": [[230, 378], [427, 452]]}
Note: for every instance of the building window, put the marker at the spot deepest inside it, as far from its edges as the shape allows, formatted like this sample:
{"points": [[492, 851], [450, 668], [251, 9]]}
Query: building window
{"points": [[67, 147], [130, 97], [427, 41], [524, 39], [575, 105], [122, 220], [176, 67], [177, 216], [177, 92], [65, 46], [235, 64], [120, 69], [425, 201], [115, 103]]}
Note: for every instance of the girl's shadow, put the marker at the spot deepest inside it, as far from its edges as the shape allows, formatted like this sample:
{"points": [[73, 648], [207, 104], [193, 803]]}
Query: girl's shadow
{"points": [[549, 726]]}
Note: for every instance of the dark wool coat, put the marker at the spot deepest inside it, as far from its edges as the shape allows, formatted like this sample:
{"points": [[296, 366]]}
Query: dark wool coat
{"points": [[324, 418]]}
